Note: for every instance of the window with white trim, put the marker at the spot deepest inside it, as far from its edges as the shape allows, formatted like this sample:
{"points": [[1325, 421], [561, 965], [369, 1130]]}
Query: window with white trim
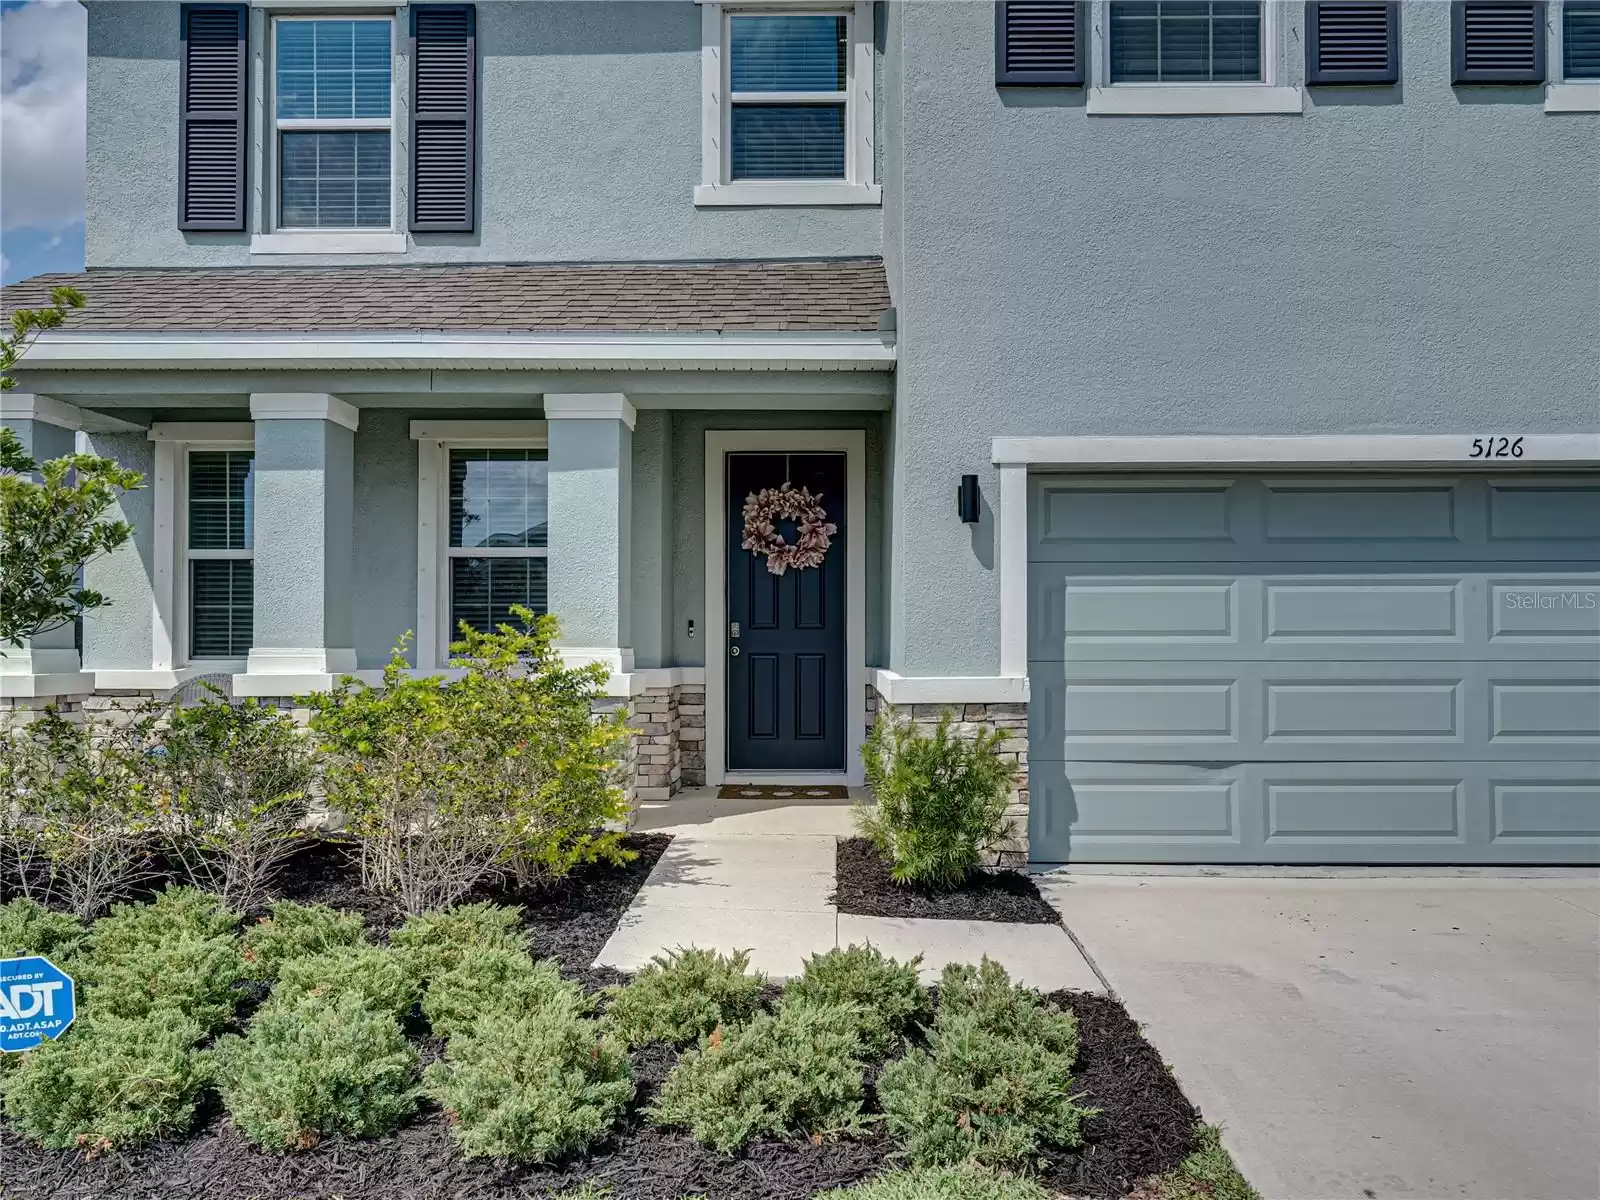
{"points": [[333, 126], [497, 543], [1580, 41], [218, 550], [787, 105], [1185, 41]]}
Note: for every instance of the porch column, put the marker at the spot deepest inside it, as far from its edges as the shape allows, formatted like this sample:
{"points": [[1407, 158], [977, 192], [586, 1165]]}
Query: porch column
{"points": [[128, 643], [304, 482], [46, 665], [591, 507]]}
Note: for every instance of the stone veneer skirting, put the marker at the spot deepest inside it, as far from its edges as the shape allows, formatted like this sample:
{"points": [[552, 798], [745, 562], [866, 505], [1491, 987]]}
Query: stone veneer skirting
{"points": [[969, 719]]}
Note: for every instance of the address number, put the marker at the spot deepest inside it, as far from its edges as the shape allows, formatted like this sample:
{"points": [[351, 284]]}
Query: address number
{"points": [[1496, 447]]}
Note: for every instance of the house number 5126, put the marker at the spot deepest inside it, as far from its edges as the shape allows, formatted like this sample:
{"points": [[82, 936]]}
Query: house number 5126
{"points": [[1496, 447]]}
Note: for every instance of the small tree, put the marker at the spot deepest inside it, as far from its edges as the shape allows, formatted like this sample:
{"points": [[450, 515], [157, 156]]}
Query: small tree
{"points": [[52, 514]]}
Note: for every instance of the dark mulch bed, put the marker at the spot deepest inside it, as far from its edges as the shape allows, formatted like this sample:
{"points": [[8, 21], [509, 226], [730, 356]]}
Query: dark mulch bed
{"points": [[1146, 1126], [863, 887]]}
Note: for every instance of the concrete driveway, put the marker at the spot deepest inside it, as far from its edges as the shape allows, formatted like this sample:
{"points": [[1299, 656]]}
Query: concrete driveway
{"points": [[1369, 1036]]}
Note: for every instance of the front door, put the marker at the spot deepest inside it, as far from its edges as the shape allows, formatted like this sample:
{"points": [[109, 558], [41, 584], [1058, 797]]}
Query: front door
{"points": [[786, 635]]}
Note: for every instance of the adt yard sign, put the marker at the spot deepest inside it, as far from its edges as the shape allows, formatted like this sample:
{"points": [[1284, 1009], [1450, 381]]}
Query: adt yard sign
{"points": [[37, 1002]]}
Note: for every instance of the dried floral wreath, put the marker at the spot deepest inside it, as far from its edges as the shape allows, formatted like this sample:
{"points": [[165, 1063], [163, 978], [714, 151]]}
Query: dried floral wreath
{"points": [[813, 531]]}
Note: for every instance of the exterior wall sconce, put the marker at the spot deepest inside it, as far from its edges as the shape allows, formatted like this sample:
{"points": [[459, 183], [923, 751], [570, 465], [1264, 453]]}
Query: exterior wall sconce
{"points": [[967, 500]]}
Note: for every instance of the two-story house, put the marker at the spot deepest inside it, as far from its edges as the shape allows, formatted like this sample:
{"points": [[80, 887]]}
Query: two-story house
{"points": [[1209, 391]]}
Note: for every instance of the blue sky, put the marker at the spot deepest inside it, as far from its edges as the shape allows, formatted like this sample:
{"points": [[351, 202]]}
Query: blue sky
{"points": [[42, 72]]}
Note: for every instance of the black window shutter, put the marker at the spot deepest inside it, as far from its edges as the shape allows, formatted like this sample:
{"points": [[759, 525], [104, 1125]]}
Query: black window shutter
{"points": [[1352, 42], [1040, 43], [1497, 41], [212, 93], [444, 103]]}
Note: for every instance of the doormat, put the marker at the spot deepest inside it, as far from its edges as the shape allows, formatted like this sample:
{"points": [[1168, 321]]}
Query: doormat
{"points": [[787, 791]]}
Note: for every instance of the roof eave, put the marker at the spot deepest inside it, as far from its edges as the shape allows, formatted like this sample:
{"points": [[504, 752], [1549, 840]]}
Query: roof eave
{"points": [[739, 351]]}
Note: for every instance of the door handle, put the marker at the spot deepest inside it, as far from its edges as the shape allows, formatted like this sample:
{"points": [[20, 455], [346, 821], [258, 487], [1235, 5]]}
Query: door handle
{"points": [[733, 650]]}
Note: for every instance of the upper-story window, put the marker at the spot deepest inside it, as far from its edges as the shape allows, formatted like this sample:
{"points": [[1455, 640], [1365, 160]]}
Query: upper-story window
{"points": [[1196, 41], [333, 118], [1580, 40], [787, 109]]}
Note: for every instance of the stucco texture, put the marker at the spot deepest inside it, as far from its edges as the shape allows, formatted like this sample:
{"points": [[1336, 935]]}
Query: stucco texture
{"points": [[1413, 259], [589, 147]]}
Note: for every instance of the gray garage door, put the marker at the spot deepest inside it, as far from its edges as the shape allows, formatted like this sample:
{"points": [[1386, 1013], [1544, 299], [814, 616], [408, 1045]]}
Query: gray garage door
{"points": [[1315, 669]]}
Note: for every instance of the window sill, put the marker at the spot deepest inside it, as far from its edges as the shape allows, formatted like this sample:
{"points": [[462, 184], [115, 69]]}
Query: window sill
{"points": [[1196, 100], [328, 243], [748, 195], [1572, 97]]}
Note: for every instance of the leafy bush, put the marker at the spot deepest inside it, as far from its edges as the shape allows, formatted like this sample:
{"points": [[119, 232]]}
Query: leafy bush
{"points": [[77, 818], [885, 993], [942, 1183], [941, 799], [531, 1085], [110, 1082], [178, 952], [685, 994], [1207, 1174], [323, 1064], [794, 1071], [27, 927], [234, 779], [433, 943], [377, 975], [497, 980], [993, 1084], [502, 771], [296, 931]]}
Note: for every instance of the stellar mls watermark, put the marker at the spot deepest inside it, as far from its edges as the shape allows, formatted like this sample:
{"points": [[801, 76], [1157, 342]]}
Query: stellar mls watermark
{"points": [[1552, 599]]}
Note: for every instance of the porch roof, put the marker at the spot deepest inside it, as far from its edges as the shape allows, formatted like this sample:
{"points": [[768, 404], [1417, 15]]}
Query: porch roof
{"points": [[810, 296]]}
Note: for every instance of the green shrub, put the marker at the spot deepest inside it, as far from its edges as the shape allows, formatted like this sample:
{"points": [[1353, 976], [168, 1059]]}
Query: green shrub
{"points": [[685, 994], [993, 1085], [235, 781], [186, 974], [110, 1082], [885, 993], [1207, 1174], [175, 911], [942, 1183], [296, 931], [433, 943], [323, 1064], [798, 1070], [28, 927], [532, 1085], [497, 980], [377, 975], [504, 770], [940, 799]]}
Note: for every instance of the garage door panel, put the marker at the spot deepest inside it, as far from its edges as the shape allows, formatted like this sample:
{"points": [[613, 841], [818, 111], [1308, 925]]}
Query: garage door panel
{"points": [[1288, 710], [1352, 520], [1350, 812], [1354, 612]]}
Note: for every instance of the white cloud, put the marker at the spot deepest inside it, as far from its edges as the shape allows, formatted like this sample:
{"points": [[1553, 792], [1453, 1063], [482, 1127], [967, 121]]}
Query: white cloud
{"points": [[43, 98]]}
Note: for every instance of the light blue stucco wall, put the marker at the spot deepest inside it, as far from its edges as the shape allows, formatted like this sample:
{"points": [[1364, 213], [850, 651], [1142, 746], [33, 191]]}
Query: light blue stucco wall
{"points": [[589, 147], [1419, 259]]}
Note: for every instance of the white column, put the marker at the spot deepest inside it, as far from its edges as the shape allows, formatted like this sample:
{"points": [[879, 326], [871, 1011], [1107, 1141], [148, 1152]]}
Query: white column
{"points": [[1013, 560], [591, 518], [46, 665], [303, 539]]}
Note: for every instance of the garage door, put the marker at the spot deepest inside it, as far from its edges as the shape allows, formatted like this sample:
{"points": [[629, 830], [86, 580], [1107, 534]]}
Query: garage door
{"points": [[1315, 669]]}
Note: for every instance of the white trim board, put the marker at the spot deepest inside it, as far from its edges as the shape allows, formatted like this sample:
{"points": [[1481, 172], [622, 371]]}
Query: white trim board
{"points": [[25, 406], [852, 443], [968, 689], [1354, 452], [303, 406], [798, 351]]}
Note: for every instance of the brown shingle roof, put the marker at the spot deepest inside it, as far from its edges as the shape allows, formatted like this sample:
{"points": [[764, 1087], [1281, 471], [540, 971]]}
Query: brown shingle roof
{"points": [[823, 295]]}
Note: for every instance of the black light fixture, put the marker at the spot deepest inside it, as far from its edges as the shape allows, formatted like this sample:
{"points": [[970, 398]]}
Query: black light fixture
{"points": [[967, 500]]}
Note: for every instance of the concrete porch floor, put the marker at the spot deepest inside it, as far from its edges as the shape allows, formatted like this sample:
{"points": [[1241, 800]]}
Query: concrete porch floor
{"points": [[756, 875]]}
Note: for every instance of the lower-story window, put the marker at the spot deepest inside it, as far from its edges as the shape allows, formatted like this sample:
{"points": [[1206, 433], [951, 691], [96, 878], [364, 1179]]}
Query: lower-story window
{"points": [[498, 544], [220, 551]]}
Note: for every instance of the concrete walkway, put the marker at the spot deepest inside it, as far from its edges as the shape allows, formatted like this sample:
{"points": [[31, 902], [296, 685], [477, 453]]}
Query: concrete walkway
{"points": [[1370, 1037], [756, 876]]}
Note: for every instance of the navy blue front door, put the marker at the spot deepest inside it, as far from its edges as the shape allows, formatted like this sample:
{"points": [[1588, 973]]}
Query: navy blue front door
{"points": [[786, 649]]}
